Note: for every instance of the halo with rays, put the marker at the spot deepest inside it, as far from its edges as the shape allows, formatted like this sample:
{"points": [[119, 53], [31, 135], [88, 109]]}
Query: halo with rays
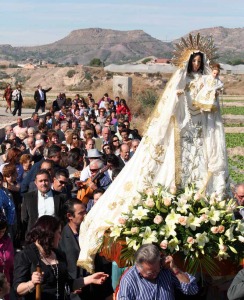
{"points": [[192, 44]]}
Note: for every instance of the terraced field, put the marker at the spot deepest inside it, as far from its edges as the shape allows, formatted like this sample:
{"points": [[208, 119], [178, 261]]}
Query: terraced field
{"points": [[233, 117]]}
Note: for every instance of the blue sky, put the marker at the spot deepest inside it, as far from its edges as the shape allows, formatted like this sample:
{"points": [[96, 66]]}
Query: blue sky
{"points": [[31, 22]]}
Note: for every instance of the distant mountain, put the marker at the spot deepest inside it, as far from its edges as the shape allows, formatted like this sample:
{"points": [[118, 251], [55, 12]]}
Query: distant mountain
{"points": [[111, 46], [114, 46]]}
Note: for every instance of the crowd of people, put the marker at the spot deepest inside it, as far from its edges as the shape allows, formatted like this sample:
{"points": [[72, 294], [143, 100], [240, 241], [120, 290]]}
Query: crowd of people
{"points": [[72, 152]]}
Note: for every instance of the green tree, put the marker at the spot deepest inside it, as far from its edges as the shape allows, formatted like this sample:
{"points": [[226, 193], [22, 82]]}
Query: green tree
{"points": [[96, 62], [70, 73]]}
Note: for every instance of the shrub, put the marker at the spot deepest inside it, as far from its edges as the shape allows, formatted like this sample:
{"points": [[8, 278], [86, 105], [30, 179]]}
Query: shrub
{"points": [[148, 98], [70, 73], [144, 61], [96, 62]]}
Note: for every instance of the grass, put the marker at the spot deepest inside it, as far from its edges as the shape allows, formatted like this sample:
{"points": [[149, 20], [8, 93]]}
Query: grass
{"points": [[234, 125], [234, 140], [236, 168], [232, 110]]}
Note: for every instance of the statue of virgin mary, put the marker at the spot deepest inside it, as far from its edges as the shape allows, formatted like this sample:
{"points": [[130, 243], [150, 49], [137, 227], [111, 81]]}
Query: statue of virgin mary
{"points": [[182, 145]]}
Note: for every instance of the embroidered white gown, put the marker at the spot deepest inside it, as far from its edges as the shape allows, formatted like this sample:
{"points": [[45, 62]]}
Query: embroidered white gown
{"points": [[181, 145]]}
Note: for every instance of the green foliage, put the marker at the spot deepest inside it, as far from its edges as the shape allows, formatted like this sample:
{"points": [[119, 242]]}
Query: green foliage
{"points": [[88, 76], [147, 98], [234, 125], [234, 140], [70, 73], [4, 75], [96, 62], [2, 85], [144, 61], [236, 168], [236, 61], [3, 67], [233, 110]]}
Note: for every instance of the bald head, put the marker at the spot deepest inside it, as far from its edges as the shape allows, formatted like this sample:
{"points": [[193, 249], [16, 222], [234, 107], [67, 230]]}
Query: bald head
{"points": [[239, 194]]}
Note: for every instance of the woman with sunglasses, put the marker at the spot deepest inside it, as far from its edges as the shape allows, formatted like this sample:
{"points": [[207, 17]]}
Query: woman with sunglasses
{"points": [[115, 145]]}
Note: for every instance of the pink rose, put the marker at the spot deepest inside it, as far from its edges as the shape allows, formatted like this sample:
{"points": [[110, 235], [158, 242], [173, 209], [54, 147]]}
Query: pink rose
{"points": [[134, 230], [221, 229], [122, 221], [182, 220], [167, 201], [203, 217], [214, 229], [197, 197], [150, 202], [158, 219], [173, 190], [164, 244], [223, 248], [190, 240]]}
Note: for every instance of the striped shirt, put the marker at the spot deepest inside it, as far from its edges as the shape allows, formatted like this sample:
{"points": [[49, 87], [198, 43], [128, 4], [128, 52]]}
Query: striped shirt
{"points": [[134, 287]]}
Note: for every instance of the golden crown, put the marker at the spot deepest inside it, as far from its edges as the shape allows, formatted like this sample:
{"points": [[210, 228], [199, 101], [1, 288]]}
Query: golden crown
{"points": [[192, 44]]}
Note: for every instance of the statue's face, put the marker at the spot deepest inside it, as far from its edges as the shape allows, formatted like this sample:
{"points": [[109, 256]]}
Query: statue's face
{"points": [[196, 63]]}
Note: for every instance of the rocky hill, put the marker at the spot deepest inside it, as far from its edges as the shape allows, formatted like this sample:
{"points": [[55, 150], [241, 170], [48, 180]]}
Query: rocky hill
{"points": [[114, 46]]}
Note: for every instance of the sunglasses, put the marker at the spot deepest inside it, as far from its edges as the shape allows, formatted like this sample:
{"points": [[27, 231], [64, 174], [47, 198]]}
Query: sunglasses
{"points": [[115, 141], [75, 138], [94, 170], [62, 182]]}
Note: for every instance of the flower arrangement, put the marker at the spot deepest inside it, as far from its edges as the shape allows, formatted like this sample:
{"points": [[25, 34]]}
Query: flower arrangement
{"points": [[200, 228]]}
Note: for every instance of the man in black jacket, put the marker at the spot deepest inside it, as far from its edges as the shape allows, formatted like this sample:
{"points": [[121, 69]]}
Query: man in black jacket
{"points": [[41, 98]]}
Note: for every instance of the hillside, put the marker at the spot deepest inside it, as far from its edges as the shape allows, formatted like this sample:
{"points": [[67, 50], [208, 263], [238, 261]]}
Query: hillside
{"points": [[114, 46]]}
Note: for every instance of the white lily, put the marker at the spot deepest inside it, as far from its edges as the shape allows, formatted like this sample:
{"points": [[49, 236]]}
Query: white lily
{"points": [[168, 230], [172, 218], [116, 231], [213, 215], [174, 244], [182, 205], [229, 233], [139, 213], [193, 222], [201, 239], [149, 236], [132, 243]]}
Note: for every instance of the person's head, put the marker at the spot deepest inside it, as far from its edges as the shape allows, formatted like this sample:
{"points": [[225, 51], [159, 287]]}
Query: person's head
{"points": [[3, 225], [125, 152], [74, 125], [195, 63], [98, 129], [48, 165], [95, 165], [112, 161], [13, 155], [121, 126], [31, 131], [89, 144], [239, 193], [35, 116], [106, 133], [83, 125], [57, 115], [148, 261], [61, 179], [6, 144], [102, 112], [88, 134], [11, 136], [115, 173], [46, 232], [115, 142], [8, 129], [43, 181], [127, 124], [124, 134], [134, 144], [10, 173], [215, 70], [75, 212], [25, 161], [106, 149], [97, 193], [54, 153], [4, 286], [19, 122], [64, 126]]}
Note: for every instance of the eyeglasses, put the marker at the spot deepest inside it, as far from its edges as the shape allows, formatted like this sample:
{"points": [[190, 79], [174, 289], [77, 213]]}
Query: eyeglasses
{"points": [[94, 170], [62, 182], [151, 272]]}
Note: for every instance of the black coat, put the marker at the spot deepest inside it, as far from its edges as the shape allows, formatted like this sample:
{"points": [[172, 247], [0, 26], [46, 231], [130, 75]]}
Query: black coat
{"points": [[29, 209]]}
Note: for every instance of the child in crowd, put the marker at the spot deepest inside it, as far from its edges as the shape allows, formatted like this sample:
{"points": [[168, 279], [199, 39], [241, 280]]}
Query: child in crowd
{"points": [[206, 99]]}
